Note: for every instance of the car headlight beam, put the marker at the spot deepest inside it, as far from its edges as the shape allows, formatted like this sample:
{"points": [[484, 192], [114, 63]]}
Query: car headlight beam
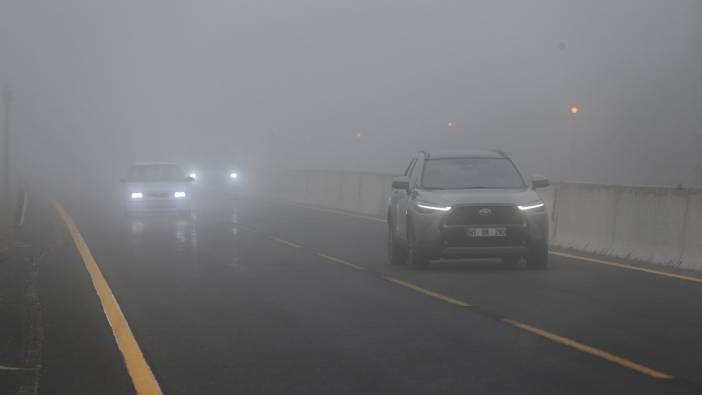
{"points": [[137, 195], [179, 194], [432, 206], [532, 206]]}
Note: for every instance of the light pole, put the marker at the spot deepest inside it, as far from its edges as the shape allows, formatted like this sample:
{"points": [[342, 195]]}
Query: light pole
{"points": [[360, 144], [574, 110], [7, 103]]}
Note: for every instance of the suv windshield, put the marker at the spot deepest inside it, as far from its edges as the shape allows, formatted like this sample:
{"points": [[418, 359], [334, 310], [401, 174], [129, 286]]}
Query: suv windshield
{"points": [[464, 173], [156, 173]]}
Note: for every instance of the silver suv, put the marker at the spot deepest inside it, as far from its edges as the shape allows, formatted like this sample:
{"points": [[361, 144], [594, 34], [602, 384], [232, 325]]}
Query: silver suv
{"points": [[466, 205]]}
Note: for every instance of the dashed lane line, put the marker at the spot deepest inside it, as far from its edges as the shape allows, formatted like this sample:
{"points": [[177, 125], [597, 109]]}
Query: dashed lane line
{"points": [[561, 340], [287, 243], [656, 374], [427, 292], [341, 261]]}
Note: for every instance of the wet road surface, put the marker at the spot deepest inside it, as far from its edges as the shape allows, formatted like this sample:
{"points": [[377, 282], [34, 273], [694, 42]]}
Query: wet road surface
{"points": [[258, 297]]}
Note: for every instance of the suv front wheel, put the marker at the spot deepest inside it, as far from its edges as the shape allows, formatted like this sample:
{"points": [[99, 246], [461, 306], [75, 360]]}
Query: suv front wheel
{"points": [[415, 258], [397, 255], [537, 258]]}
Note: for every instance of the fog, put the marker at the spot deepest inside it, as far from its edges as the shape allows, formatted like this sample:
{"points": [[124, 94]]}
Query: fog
{"points": [[357, 85]]}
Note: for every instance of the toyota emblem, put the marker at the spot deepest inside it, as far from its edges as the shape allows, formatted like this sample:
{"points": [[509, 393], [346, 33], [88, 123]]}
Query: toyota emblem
{"points": [[485, 212]]}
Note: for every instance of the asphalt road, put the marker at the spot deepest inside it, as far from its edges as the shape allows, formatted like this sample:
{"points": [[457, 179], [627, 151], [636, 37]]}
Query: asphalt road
{"points": [[257, 297]]}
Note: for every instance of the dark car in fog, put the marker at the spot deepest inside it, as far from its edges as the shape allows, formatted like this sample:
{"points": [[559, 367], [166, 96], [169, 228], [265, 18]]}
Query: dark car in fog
{"points": [[157, 187], [213, 179], [473, 204]]}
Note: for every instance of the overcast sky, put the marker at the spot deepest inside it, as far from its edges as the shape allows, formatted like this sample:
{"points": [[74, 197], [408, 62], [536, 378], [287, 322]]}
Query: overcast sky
{"points": [[357, 84]]}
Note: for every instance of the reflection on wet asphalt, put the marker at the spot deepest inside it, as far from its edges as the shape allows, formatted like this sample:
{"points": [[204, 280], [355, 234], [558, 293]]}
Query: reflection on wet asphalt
{"points": [[178, 235], [149, 230]]}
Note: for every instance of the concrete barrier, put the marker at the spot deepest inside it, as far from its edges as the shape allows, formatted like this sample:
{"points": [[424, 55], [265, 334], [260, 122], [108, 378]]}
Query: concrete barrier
{"points": [[548, 195], [651, 224], [692, 248], [315, 188], [364, 193], [374, 191], [583, 217], [350, 192]]}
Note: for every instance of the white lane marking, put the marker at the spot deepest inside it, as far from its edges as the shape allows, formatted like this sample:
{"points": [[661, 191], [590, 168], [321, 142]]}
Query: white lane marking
{"points": [[287, 243], [12, 368], [340, 261]]}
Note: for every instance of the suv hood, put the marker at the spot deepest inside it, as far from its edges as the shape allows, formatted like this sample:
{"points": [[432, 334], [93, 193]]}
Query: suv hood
{"points": [[454, 197]]}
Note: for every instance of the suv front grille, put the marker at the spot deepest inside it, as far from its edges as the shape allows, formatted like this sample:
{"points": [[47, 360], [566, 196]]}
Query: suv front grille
{"points": [[485, 215]]}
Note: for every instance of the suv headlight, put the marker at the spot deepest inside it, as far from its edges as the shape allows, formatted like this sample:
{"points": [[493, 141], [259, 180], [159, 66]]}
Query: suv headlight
{"points": [[533, 207], [179, 194], [137, 195], [427, 207]]}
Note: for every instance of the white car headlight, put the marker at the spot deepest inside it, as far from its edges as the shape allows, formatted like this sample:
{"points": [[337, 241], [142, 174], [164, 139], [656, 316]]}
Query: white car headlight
{"points": [[432, 206], [533, 206], [137, 195], [193, 176], [233, 176], [179, 194]]}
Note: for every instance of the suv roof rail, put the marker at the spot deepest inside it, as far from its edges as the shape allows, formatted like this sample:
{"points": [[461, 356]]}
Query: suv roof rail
{"points": [[501, 152]]}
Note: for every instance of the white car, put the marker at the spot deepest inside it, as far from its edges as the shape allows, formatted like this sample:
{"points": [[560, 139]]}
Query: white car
{"points": [[157, 187]]}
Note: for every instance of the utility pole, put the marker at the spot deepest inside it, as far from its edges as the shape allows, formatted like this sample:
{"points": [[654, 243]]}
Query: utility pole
{"points": [[573, 138], [7, 198]]}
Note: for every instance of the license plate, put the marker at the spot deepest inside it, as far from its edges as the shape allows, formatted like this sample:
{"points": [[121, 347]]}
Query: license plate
{"points": [[487, 232]]}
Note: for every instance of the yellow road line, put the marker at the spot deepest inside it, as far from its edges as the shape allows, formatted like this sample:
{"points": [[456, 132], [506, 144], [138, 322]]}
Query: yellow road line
{"points": [[341, 261], [590, 350], [628, 267], [142, 377], [287, 243], [547, 335], [427, 292]]}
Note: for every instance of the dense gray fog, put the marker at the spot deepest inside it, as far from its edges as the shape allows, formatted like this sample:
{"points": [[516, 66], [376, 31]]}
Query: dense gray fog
{"points": [[359, 85]]}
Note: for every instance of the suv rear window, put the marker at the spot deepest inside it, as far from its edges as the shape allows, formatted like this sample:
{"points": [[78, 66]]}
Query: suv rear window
{"points": [[466, 173]]}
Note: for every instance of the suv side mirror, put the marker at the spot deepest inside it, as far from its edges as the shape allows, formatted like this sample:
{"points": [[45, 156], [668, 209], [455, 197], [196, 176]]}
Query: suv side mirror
{"points": [[401, 182], [539, 182], [189, 179]]}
